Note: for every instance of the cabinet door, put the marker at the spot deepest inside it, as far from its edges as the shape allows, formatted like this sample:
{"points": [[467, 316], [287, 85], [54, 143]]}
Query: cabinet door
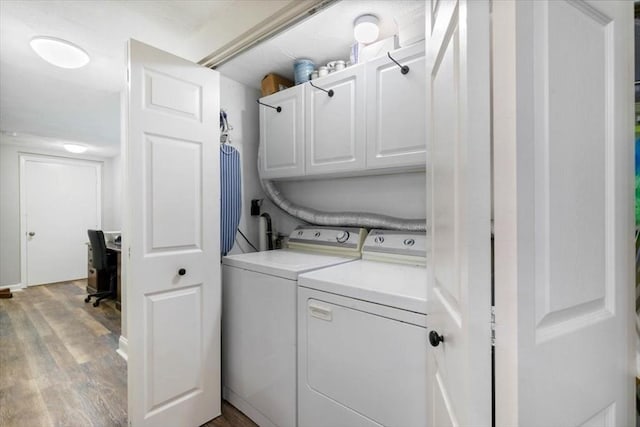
{"points": [[335, 125], [281, 134], [396, 129]]}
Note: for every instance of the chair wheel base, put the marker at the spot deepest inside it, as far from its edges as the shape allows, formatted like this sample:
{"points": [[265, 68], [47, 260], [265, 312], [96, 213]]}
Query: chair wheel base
{"points": [[97, 303], [87, 299]]}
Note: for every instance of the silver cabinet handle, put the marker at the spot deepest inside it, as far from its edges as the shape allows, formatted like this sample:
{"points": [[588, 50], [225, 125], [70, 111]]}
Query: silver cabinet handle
{"points": [[31, 234]]}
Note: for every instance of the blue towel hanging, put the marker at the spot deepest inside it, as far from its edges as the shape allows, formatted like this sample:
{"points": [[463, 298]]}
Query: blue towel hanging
{"points": [[230, 196]]}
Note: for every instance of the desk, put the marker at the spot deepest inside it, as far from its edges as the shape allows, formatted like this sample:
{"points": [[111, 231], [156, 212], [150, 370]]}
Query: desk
{"points": [[100, 282]]}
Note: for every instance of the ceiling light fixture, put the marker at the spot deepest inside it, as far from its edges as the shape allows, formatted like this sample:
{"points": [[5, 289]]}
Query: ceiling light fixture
{"points": [[365, 28], [58, 52], [75, 148]]}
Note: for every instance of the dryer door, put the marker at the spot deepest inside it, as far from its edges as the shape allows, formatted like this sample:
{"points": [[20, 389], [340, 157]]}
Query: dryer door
{"points": [[360, 364]]}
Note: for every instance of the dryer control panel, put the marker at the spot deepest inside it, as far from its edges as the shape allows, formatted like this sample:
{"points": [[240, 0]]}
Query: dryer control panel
{"points": [[396, 246], [330, 239]]}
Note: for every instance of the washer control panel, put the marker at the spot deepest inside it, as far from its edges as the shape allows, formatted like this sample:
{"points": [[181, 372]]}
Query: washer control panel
{"points": [[394, 245], [327, 237]]}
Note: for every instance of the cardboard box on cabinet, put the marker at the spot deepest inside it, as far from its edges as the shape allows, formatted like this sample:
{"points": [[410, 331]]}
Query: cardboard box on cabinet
{"points": [[272, 83]]}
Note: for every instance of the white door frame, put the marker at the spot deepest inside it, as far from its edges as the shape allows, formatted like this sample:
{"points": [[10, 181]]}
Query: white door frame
{"points": [[24, 158]]}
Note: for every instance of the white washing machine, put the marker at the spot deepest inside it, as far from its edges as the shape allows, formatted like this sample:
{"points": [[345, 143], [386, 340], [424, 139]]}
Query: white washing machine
{"points": [[259, 316], [362, 338]]}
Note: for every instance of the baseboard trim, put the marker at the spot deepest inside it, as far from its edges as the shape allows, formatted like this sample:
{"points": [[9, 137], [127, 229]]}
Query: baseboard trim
{"points": [[246, 408], [16, 287], [123, 347]]}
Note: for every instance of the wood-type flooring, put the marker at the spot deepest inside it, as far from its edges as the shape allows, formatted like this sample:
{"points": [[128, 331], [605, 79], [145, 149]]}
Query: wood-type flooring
{"points": [[58, 364]]}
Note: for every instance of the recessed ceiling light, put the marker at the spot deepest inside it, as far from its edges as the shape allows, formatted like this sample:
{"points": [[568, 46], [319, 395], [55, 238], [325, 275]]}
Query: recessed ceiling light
{"points": [[60, 53], [75, 148], [365, 28]]}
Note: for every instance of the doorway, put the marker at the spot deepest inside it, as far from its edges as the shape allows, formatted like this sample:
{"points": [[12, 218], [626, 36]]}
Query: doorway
{"points": [[60, 199]]}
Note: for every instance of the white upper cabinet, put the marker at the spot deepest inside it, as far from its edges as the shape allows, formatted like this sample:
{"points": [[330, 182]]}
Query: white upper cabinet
{"points": [[335, 125], [374, 122], [282, 134], [396, 128]]}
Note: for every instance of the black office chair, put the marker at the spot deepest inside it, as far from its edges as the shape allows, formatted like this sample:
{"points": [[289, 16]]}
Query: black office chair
{"points": [[102, 265]]}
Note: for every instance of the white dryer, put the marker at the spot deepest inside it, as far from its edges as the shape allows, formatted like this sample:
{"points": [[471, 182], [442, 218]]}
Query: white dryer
{"points": [[362, 340], [259, 297]]}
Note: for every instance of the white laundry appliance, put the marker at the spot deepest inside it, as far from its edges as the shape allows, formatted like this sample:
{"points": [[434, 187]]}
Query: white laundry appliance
{"points": [[259, 316], [362, 338]]}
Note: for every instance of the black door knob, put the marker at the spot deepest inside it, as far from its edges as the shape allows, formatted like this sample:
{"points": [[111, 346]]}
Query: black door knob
{"points": [[182, 272], [435, 339]]}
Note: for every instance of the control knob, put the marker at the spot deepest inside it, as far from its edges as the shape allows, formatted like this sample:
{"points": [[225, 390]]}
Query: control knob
{"points": [[342, 236], [379, 240]]}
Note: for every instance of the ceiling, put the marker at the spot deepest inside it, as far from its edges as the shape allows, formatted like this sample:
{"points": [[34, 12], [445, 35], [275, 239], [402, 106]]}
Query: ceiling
{"points": [[82, 105], [43, 104], [323, 37]]}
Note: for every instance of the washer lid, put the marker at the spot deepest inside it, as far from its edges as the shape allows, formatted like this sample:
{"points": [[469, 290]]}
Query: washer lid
{"points": [[284, 263], [394, 285]]}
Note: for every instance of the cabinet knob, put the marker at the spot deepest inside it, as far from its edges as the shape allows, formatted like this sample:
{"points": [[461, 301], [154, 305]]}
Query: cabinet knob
{"points": [[31, 234], [435, 339], [182, 272]]}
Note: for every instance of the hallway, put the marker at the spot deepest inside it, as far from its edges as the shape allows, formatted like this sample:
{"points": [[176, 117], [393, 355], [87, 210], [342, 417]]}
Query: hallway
{"points": [[58, 362], [57, 359]]}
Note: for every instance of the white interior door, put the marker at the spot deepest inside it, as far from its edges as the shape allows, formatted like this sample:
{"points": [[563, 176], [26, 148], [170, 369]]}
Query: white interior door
{"points": [[172, 236], [61, 200], [563, 126], [459, 187]]}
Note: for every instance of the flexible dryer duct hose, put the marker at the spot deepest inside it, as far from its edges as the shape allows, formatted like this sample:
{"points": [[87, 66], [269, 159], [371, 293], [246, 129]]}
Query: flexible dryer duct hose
{"points": [[342, 219]]}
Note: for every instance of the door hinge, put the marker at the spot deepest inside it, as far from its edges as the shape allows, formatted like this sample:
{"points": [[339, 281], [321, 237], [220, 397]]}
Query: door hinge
{"points": [[493, 326], [129, 252]]}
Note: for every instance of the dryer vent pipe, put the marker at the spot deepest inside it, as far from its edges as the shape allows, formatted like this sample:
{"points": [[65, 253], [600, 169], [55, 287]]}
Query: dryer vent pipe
{"points": [[340, 219]]}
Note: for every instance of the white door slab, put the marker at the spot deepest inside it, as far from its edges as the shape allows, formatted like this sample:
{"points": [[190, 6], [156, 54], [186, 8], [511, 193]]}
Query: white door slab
{"points": [[61, 200], [172, 239], [563, 156], [459, 187]]}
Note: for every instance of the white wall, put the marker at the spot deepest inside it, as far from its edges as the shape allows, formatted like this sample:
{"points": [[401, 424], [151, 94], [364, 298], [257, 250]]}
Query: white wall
{"points": [[401, 195], [239, 101], [112, 194], [10, 203]]}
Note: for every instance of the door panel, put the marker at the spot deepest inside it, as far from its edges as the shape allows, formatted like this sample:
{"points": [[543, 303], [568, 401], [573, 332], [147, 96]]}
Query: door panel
{"points": [[282, 135], [459, 284], [564, 222], [573, 244], [335, 126], [170, 314], [172, 236], [173, 183], [395, 110]]}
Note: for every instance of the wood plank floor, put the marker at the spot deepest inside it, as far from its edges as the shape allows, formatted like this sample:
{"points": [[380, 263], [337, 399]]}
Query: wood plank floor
{"points": [[58, 365]]}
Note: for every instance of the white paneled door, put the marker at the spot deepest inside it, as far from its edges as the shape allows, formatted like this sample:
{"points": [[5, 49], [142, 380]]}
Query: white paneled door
{"points": [[60, 201], [459, 187], [564, 213], [172, 240]]}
